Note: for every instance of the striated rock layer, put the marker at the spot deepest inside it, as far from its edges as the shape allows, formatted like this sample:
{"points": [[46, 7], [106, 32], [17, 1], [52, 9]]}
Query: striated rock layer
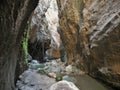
{"points": [[90, 31], [101, 22]]}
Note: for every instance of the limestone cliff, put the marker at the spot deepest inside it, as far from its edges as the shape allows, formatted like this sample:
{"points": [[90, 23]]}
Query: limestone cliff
{"points": [[43, 30], [39, 35], [90, 31], [52, 18]]}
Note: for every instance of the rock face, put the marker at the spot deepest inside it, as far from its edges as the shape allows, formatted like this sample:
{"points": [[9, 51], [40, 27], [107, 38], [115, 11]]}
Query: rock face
{"points": [[39, 35], [101, 24], [43, 34], [52, 18], [69, 26], [90, 31], [13, 19]]}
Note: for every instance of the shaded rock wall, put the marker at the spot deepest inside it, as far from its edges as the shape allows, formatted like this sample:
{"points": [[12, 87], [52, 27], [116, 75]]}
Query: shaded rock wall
{"points": [[13, 19], [90, 31]]}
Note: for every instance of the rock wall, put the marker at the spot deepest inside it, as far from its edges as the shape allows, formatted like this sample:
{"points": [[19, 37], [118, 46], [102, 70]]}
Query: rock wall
{"points": [[102, 24], [39, 35], [90, 31], [52, 18], [44, 23], [69, 26], [13, 19]]}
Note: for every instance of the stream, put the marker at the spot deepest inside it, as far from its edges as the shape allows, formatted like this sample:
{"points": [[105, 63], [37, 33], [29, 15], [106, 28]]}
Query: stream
{"points": [[44, 77]]}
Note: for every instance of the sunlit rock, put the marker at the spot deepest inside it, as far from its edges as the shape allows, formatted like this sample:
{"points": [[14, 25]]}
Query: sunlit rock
{"points": [[31, 80], [63, 85], [69, 69], [39, 35], [52, 19], [53, 75]]}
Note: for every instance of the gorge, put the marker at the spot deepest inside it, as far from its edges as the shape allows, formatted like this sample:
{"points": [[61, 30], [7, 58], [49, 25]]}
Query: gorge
{"points": [[79, 34]]}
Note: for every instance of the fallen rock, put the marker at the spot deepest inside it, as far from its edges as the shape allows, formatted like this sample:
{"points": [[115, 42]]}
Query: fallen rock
{"points": [[68, 69], [63, 85], [53, 75]]}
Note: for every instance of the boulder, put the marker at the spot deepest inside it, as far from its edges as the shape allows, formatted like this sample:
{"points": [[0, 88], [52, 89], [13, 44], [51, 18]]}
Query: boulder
{"points": [[63, 85], [68, 69], [53, 75]]}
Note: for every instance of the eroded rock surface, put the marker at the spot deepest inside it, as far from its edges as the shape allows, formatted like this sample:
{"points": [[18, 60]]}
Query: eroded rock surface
{"points": [[13, 20], [39, 36], [90, 31], [52, 18], [69, 26], [43, 28], [101, 26]]}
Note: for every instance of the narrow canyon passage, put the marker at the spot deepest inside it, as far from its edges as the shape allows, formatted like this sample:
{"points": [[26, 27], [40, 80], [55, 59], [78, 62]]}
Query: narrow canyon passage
{"points": [[49, 75], [60, 45]]}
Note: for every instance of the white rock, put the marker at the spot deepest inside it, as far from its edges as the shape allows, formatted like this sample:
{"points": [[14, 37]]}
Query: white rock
{"points": [[63, 85], [53, 75], [68, 69], [104, 70], [34, 62]]}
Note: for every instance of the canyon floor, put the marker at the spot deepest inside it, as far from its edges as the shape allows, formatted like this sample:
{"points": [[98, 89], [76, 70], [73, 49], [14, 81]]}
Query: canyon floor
{"points": [[41, 76]]}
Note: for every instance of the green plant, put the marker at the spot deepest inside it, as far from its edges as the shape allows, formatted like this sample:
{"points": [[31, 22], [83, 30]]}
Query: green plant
{"points": [[59, 78], [25, 41]]}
